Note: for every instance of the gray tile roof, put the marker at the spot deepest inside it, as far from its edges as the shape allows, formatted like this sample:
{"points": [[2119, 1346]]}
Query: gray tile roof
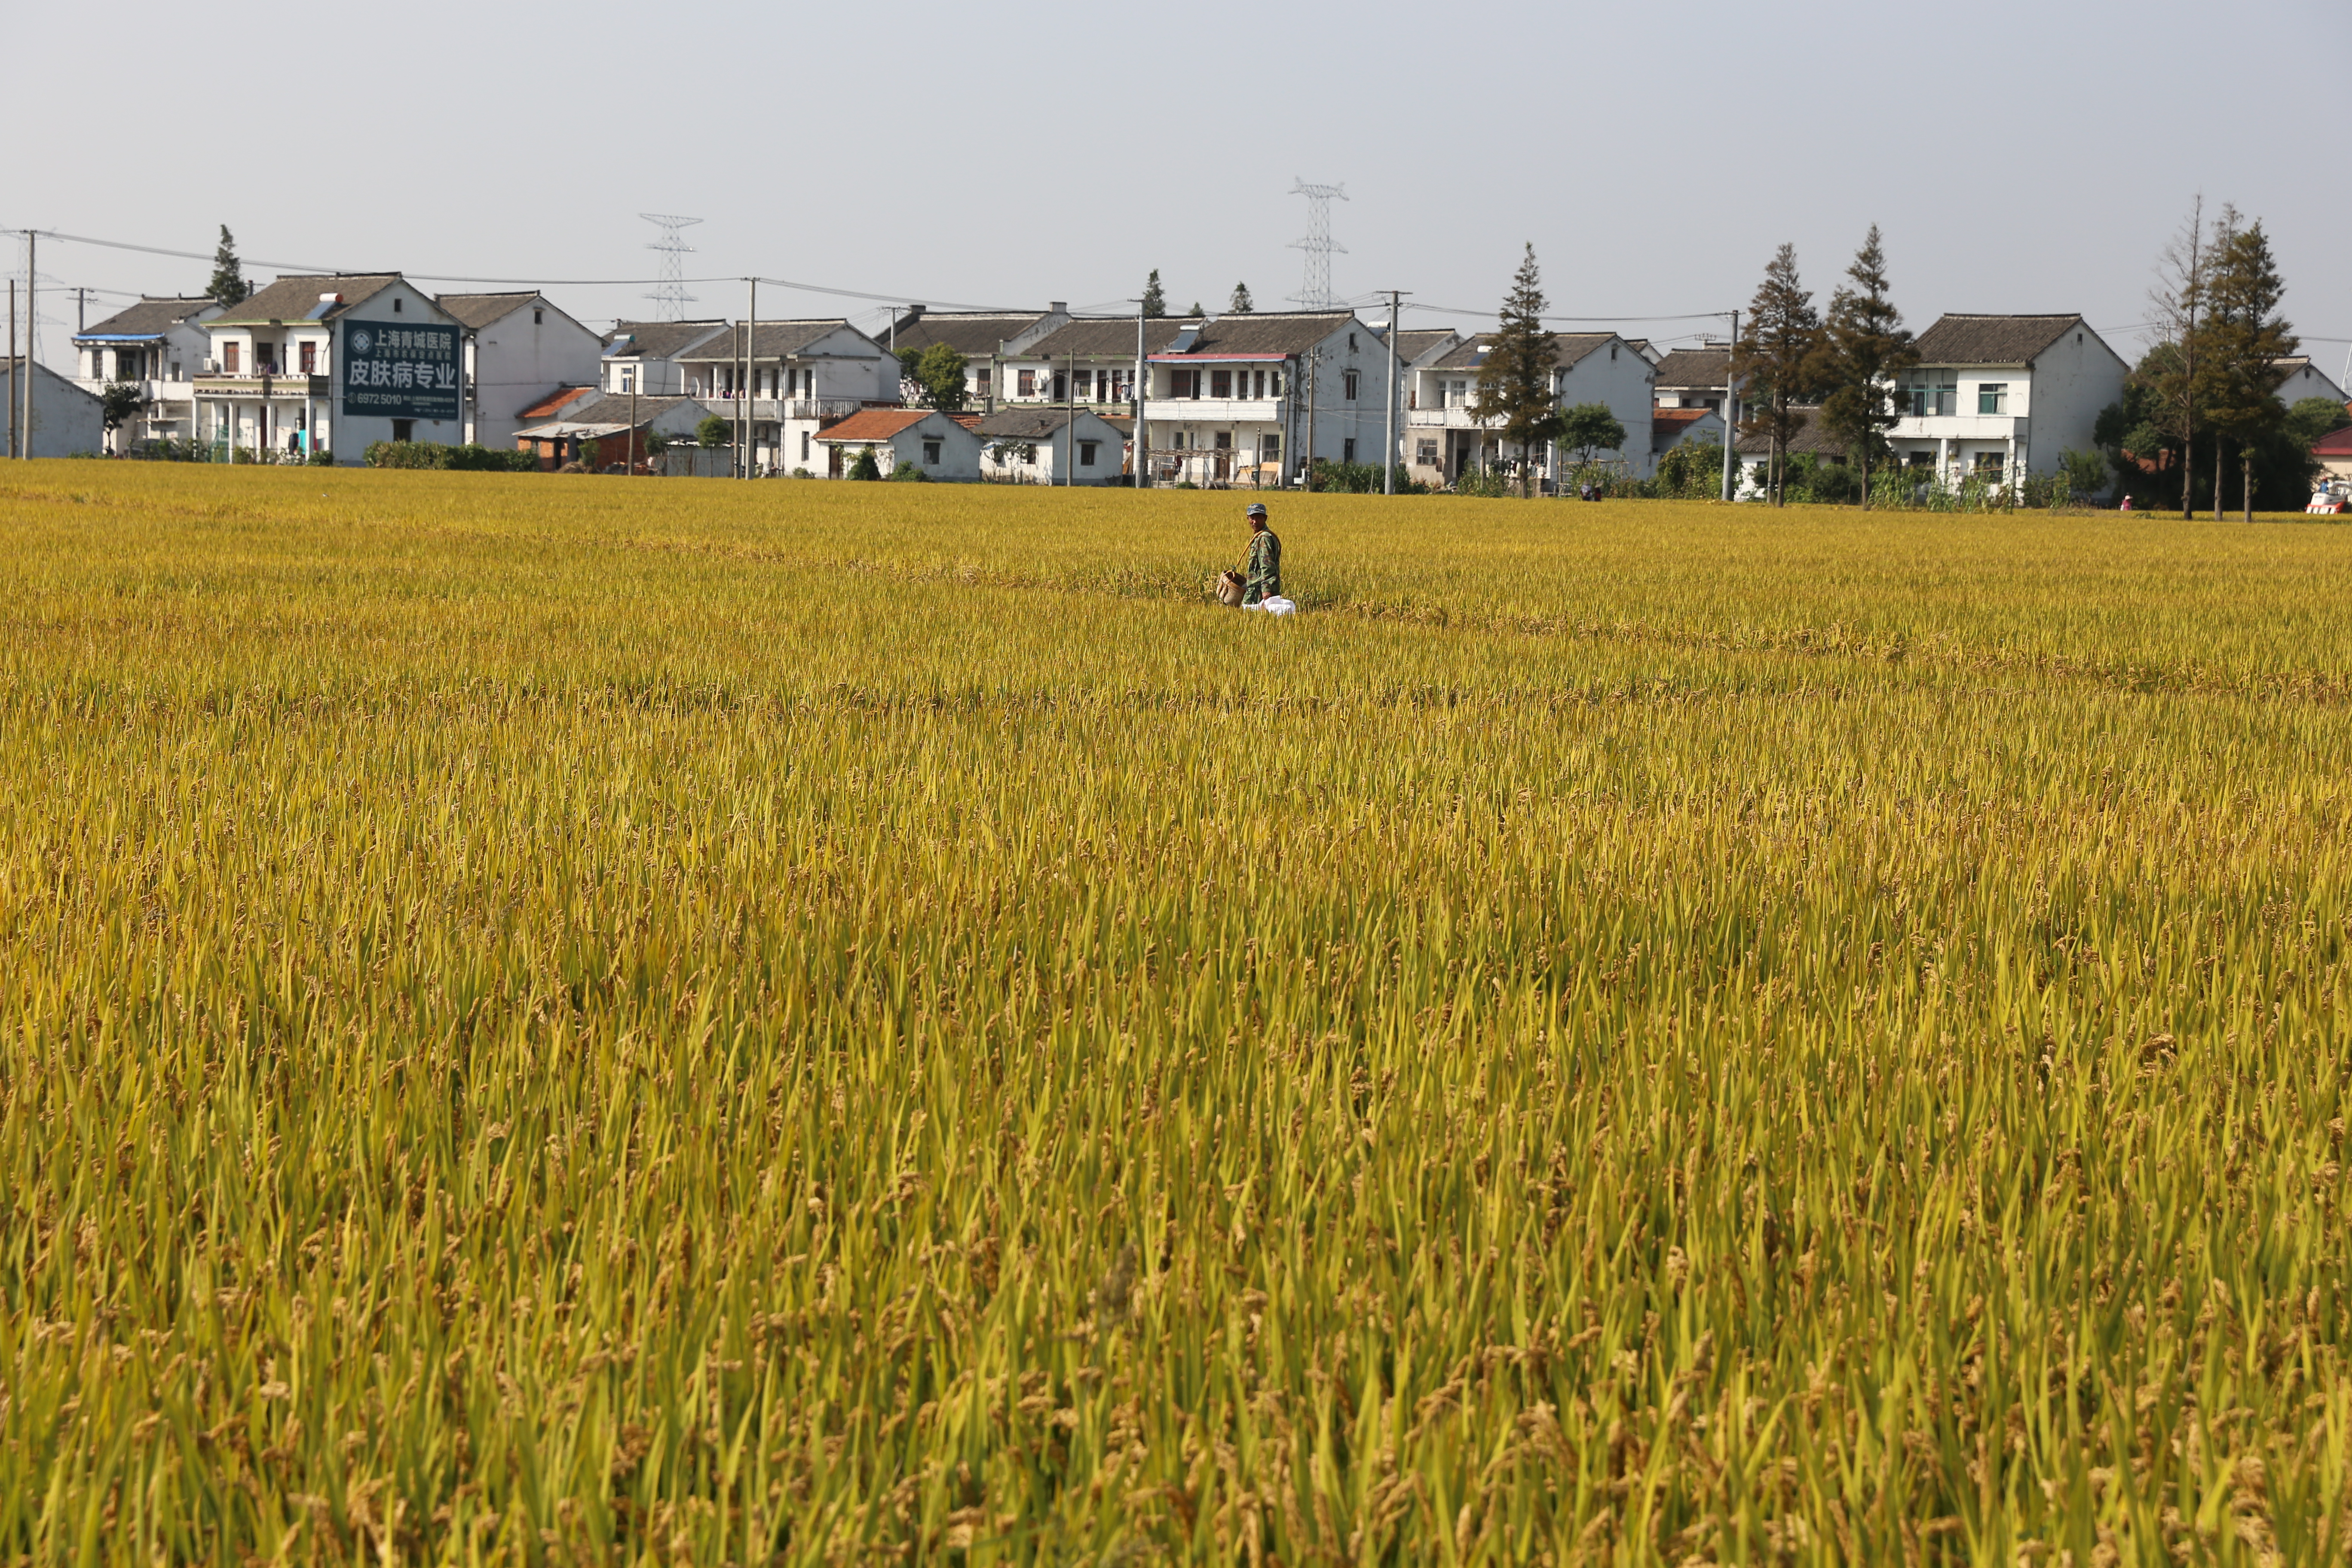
{"points": [[482, 310], [1023, 423], [151, 318], [972, 333], [1256, 332], [1992, 340], [769, 339], [1414, 341], [660, 340], [1703, 368], [293, 298], [1568, 348], [613, 408], [1811, 435]]}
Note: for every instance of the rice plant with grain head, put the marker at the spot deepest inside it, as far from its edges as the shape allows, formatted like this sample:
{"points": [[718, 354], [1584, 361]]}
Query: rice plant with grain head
{"points": [[565, 1019]]}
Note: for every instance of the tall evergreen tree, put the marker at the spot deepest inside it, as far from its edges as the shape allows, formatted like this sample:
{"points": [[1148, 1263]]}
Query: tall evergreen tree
{"points": [[1778, 365], [1240, 304], [1155, 298], [228, 285], [1515, 379], [1866, 347], [2245, 337]]}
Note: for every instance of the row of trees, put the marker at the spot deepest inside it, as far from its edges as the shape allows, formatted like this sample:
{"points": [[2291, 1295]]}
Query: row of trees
{"points": [[1791, 356], [2206, 392]]}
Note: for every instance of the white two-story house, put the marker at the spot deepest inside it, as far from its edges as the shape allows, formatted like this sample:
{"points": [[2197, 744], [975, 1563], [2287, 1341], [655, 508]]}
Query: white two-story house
{"points": [[519, 349], [157, 345], [984, 338], [2003, 396], [1443, 437], [643, 356], [333, 362], [799, 378]]}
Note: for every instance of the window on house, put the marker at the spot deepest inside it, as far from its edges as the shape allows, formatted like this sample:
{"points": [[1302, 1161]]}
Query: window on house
{"points": [[1348, 450], [1086, 453], [1061, 385], [1425, 454], [1261, 385], [1274, 383], [395, 306], [1269, 448], [931, 452], [309, 359], [1919, 459], [538, 316], [229, 358], [1926, 393], [1351, 342], [1224, 442], [1988, 465], [804, 445], [1347, 386], [404, 429], [981, 381], [1993, 398], [1221, 383], [1028, 383]]}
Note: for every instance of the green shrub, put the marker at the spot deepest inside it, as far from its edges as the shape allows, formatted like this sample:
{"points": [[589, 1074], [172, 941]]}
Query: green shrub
{"points": [[471, 458], [910, 473], [1362, 479], [712, 433], [866, 468], [322, 456]]}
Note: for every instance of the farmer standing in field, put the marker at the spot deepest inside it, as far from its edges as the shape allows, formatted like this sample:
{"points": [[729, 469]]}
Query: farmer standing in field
{"points": [[1265, 559]]}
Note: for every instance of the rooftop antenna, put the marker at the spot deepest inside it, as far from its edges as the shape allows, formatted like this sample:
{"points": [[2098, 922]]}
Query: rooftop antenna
{"points": [[670, 296], [1318, 245]]}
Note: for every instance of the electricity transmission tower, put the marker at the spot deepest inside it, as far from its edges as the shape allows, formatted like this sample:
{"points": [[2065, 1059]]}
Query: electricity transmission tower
{"points": [[670, 296], [1318, 245]]}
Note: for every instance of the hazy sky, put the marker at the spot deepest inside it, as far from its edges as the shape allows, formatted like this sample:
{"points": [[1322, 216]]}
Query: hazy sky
{"points": [[2018, 156]]}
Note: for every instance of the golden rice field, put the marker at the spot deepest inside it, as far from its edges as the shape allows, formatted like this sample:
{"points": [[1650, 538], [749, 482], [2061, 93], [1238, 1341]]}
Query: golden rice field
{"points": [[576, 1020]]}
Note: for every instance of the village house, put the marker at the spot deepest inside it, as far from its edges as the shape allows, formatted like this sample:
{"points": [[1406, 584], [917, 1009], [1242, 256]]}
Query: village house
{"points": [[333, 362], [1587, 367], [1697, 378], [580, 424], [943, 446], [156, 345], [1418, 348], [1049, 446], [984, 338], [1228, 399], [2003, 396], [800, 376], [1671, 428], [643, 356], [66, 421], [517, 348], [2298, 379]]}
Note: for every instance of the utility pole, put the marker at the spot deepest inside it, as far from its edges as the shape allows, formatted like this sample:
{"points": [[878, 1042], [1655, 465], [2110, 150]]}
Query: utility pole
{"points": [[633, 424], [1142, 370], [1070, 424], [32, 334], [1312, 360], [81, 311], [1396, 324], [1730, 402], [742, 389], [12, 367]]}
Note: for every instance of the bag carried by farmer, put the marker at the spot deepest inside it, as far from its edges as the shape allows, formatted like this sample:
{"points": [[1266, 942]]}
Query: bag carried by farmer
{"points": [[1230, 584]]}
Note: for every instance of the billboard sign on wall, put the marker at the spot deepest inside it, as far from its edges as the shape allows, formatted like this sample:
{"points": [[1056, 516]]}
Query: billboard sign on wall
{"points": [[393, 369]]}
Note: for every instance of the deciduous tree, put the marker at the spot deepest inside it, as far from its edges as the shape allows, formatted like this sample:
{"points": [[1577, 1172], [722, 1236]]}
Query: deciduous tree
{"points": [[1866, 347], [1515, 380], [1589, 429], [2171, 372], [1777, 365], [940, 373]]}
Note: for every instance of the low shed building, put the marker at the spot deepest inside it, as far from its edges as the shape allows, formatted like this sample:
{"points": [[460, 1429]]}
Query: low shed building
{"points": [[944, 447]]}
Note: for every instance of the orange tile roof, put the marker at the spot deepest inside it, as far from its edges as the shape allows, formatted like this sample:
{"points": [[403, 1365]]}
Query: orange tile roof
{"points": [[1678, 416], [874, 424]]}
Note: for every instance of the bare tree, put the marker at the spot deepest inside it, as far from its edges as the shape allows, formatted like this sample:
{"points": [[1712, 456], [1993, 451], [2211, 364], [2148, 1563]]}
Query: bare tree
{"points": [[2170, 372]]}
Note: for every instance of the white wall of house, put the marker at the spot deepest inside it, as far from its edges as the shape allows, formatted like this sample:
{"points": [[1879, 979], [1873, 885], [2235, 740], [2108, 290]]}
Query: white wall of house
{"points": [[520, 358], [1618, 375], [66, 419], [242, 421], [2309, 381], [942, 448], [1088, 450]]}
